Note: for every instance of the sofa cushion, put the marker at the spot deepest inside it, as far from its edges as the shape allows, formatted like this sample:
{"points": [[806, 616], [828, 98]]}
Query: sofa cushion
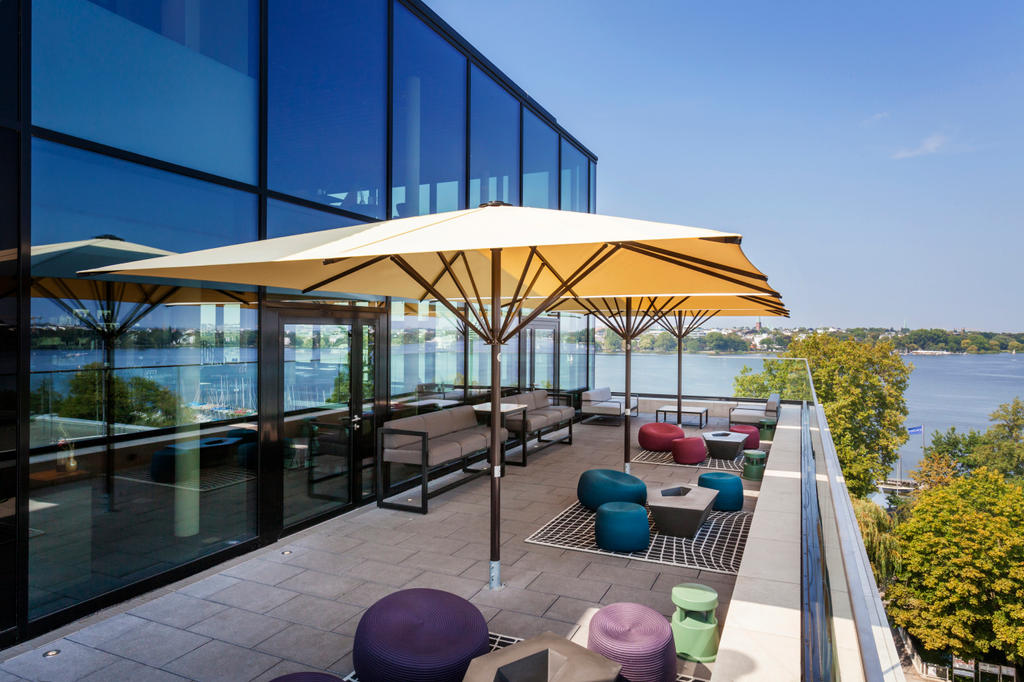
{"points": [[394, 441], [611, 407], [742, 415], [596, 395]]}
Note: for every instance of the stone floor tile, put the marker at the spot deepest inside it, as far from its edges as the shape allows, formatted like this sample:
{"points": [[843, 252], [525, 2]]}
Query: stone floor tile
{"points": [[384, 573], [125, 670], [659, 601], [307, 645], [524, 625], [217, 661], [379, 552], [74, 661], [438, 563], [106, 629], [464, 587], [267, 572], [177, 610], [442, 545], [343, 666], [577, 588], [252, 596], [153, 643], [619, 575], [236, 626], [202, 589], [570, 564], [282, 668], [322, 614], [367, 593], [511, 576], [318, 584], [325, 562], [524, 601], [480, 551], [572, 610]]}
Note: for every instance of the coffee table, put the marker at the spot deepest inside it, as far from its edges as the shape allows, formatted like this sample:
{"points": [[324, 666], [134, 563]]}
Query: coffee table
{"points": [[680, 510], [724, 444], [701, 412]]}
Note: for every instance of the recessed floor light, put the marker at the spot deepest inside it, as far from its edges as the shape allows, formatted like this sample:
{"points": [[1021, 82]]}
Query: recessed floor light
{"points": [[286, 552], [51, 653]]}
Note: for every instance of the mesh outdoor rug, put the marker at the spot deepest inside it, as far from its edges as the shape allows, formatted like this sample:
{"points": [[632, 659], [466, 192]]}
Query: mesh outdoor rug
{"points": [[652, 457], [501, 641], [209, 479], [717, 546]]}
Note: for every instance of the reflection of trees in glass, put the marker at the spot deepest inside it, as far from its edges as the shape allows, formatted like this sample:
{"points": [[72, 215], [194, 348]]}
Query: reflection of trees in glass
{"points": [[342, 388], [136, 400]]}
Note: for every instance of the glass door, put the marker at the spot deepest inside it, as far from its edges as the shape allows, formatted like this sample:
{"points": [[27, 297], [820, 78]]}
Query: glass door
{"points": [[327, 415], [540, 357]]}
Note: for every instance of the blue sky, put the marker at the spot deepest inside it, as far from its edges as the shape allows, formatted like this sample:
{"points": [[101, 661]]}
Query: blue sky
{"points": [[870, 153]]}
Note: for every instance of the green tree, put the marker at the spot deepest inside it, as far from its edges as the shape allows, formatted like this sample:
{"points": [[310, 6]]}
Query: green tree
{"points": [[877, 527], [960, 585], [861, 386], [1002, 446]]}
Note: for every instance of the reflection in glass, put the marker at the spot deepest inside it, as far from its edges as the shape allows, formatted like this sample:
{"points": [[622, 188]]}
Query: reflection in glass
{"points": [[574, 179], [540, 163], [8, 372], [117, 72], [142, 393], [480, 365], [428, 361], [540, 357], [9, 64], [429, 154], [284, 219], [327, 102], [593, 187], [572, 352], [493, 143]]}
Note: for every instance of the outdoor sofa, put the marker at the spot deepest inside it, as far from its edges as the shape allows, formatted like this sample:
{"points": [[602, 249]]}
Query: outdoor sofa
{"points": [[434, 442], [752, 413], [599, 403], [540, 417]]}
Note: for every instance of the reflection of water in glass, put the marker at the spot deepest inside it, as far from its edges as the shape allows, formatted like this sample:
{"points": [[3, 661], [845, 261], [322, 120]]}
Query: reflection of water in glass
{"points": [[710, 375]]}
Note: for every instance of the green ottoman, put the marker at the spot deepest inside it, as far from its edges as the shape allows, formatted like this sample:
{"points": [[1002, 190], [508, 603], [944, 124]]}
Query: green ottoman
{"points": [[694, 625], [753, 464], [767, 428]]}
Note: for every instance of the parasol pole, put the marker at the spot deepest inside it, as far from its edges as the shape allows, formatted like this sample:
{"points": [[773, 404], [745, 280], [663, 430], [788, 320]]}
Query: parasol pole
{"points": [[495, 454]]}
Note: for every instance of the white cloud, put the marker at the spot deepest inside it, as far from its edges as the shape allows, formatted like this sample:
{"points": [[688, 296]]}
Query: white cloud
{"points": [[929, 145], [875, 118]]}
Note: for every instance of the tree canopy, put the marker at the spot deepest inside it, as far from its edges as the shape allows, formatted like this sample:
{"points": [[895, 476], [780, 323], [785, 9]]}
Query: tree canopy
{"points": [[1000, 447], [960, 582], [861, 386]]}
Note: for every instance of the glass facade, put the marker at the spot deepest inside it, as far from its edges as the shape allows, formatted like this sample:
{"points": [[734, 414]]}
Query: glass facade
{"points": [[176, 81], [429, 154], [540, 163], [575, 182], [593, 187], [327, 102], [493, 142], [170, 424]]}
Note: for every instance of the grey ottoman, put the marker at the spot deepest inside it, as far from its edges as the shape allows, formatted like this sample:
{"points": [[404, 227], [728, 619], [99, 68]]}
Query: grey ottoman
{"points": [[680, 509], [545, 657]]}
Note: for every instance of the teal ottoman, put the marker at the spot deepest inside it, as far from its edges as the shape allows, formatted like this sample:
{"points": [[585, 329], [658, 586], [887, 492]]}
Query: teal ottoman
{"points": [[622, 527], [729, 487], [598, 486]]}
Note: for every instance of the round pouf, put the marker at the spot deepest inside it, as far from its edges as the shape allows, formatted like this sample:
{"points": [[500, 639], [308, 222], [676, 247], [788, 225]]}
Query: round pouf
{"points": [[622, 527], [729, 487], [658, 436], [598, 486], [636, 637], [689, 450], [753, 441], [418, 634]]}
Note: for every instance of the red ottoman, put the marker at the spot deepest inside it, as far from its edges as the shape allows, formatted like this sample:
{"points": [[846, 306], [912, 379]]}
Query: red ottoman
{"points": [[753, 435], [658, 436], [689, 450]]}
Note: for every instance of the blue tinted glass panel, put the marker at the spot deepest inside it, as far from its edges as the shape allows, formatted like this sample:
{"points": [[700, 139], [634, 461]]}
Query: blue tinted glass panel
{"points": [[429, 162], [9, 170], [165, 78], [574, 179], [8, 60], [493, 142], [540, 163], [327, 102], [593, 187], [143, 392], [285, 219]]}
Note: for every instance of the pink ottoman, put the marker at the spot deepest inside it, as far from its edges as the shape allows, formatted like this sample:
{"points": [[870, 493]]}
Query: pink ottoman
{"points": [[689, 450], [637, 637], [658, 436], [753, 435]]}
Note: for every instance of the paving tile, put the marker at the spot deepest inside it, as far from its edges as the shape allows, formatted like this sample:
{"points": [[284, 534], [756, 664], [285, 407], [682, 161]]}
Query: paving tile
{"points": [[511, 576], [524, 625], [578, 588], [386, 553], [464, 587], [320, 584], [239, 627], [325, 562], [438, 563], [73, 662], [267, 572], [568, 563], [442, 545], [307, 645], [572, 610], [322, 614], [177, 610], [282, 668], [524, 601], [619, 575], [153, 643], [252, 596], [202, 589], [384, 573], [367, 593], [125, 670], [480, 551], [216, 661], [106, 629], [337, 544], [659, 601], [8, 677]]}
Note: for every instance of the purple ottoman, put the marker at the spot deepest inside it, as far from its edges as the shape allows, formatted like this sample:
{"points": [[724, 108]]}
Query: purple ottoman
{"points": [[308, 677], [418, 634], [637, 637]]}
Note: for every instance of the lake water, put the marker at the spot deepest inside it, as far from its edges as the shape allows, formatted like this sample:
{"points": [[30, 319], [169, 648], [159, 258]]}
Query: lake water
{"points": [[944, 390]]}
